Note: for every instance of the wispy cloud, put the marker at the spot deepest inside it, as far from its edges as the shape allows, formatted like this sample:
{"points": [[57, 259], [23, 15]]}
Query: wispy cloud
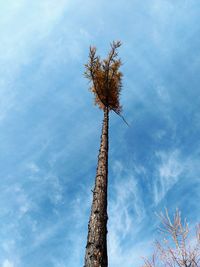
{"points": [[169, 172], [127, 213], [8, 263]]}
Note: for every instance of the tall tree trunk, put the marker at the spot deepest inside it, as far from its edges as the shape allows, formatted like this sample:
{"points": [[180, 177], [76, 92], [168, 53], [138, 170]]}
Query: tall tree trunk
{"points": [[96, 249]]}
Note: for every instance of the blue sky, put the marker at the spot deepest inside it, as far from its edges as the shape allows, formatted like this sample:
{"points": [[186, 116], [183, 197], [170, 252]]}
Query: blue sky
{"points": [[50, 129]]}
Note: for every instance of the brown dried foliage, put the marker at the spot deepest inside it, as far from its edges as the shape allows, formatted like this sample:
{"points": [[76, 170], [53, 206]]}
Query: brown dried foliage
{"points": [[105, 77], [177, 249]]}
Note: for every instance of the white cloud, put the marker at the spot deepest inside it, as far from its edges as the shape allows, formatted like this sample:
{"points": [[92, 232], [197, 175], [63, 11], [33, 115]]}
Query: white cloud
{"points": [[169, 172], [23, 27], [126, 213], [33, 167], [8, 245], [130, 256], [46, 234], [8, 263], [20, 38]]}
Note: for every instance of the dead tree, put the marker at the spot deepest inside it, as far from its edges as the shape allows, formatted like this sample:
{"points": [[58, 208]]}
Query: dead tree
{"points": [[177, 249], [105, 79]]}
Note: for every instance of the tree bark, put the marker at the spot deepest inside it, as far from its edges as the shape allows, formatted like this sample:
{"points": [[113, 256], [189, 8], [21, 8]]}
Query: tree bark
{"points": [[96, 248]]}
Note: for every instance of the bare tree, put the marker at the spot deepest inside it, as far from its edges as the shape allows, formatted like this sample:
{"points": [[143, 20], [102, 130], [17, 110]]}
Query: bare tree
{"points": [[105, 79], [178, 248]]}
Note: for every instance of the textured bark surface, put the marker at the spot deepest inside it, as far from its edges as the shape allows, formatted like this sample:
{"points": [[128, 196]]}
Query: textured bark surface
{"points": [[96, 249]]}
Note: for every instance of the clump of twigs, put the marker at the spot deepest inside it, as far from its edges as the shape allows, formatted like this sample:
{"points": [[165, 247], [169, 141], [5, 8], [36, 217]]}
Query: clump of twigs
{"points": [[177, 249], [105, 77]]}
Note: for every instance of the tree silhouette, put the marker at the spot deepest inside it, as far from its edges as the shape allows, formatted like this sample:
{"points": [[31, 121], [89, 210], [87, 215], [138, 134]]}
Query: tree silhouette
{"points": [[105, 79]]}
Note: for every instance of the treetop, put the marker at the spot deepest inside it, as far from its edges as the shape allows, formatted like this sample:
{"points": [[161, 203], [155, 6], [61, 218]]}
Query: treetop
{"points": [[105, 78]]}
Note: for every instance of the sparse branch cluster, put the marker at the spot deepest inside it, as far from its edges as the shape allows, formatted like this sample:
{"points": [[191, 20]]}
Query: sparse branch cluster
{"points": [[106, 78], [177, 249]]}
